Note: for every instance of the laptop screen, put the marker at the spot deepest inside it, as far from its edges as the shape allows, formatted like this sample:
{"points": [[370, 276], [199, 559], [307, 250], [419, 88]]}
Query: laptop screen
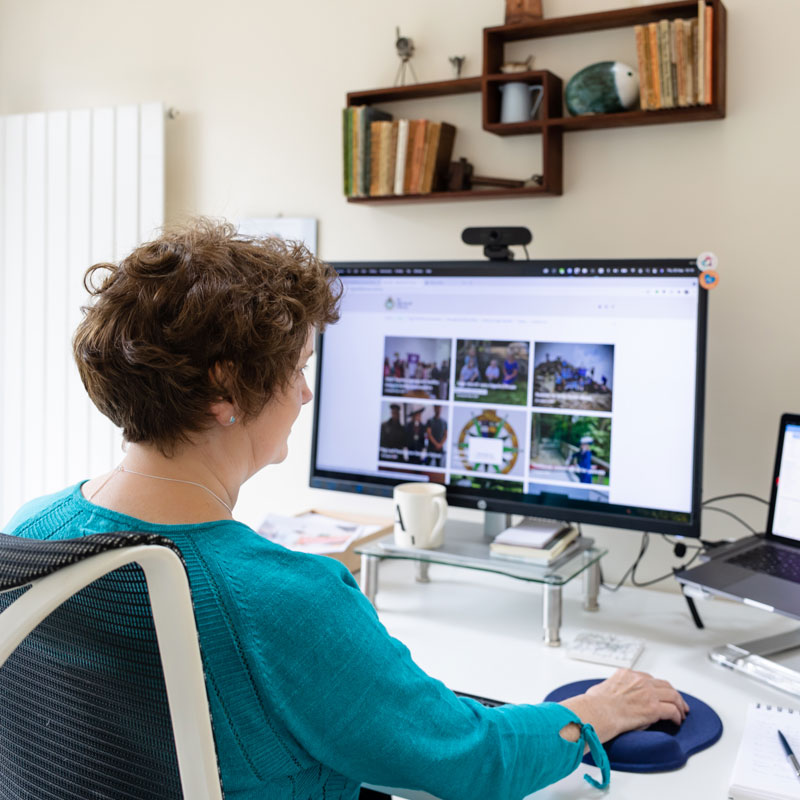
{"points": [[786, 520]]}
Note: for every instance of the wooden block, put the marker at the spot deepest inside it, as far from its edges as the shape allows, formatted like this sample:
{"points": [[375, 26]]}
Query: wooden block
{"points": [[520, 12]]}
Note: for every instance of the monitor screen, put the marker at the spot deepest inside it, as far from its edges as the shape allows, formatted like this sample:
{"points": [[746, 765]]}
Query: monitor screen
{"points": [[563, 389], [785, 520]]}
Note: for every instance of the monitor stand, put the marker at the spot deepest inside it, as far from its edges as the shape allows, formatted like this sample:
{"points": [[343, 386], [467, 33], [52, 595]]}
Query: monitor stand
{"points": [[467, 545], [495, 522], [751, 658]]}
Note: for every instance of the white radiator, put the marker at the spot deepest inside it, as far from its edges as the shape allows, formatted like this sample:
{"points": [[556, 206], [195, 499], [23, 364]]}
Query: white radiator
{"points": [[76, 188]]}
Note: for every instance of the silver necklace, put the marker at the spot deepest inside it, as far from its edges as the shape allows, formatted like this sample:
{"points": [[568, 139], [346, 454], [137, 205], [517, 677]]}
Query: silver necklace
{"points": [[122, 468]]}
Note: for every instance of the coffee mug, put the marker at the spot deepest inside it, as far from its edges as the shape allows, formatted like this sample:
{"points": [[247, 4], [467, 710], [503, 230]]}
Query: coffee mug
{"points": [[420, 511]]}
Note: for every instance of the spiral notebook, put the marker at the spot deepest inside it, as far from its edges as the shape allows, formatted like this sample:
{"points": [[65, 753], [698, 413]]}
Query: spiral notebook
{"points": [[762, 771]]}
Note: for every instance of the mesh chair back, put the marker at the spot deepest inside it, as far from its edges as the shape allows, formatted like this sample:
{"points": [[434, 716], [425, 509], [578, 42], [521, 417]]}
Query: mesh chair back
{"points": [[83, 704]]}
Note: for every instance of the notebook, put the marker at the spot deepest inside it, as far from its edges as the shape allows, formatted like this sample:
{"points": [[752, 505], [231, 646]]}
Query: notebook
{"points": [[532, 532], [764, 571], [762, 771]]}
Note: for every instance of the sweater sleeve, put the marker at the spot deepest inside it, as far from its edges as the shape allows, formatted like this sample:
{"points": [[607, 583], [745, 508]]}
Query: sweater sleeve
{"points": [[354, 699]]}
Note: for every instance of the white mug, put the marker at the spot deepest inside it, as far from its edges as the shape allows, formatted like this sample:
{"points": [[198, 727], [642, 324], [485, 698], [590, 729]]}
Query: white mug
{"points": [[420, 511]]}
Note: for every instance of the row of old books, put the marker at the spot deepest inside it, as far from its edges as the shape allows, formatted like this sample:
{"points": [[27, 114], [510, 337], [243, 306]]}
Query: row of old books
{"points": [[675, 61], [385, 156]]}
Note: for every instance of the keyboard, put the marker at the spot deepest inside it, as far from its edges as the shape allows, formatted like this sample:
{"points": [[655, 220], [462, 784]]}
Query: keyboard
{"points": [[771, 560], [484, 701]]}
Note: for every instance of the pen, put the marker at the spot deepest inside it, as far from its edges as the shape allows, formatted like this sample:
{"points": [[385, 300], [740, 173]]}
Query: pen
{"points": [[789, 754]]}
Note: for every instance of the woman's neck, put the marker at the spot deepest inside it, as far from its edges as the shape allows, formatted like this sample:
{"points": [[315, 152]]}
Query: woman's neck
{"points": [[203, 484]]}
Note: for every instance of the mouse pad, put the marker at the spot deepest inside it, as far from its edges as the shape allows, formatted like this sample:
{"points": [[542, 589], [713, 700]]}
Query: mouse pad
{"points": [[661, 747]]}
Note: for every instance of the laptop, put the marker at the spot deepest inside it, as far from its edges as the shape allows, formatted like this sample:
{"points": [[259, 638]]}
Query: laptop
{"points": [[764, 571]]}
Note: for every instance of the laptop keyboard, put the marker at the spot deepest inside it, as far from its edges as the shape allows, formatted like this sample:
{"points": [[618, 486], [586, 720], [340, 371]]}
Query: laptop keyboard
{"points": [[771, 560]]}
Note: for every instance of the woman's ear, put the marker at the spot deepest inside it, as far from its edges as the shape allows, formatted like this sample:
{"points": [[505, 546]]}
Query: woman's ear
{"points": [[224, 412]]}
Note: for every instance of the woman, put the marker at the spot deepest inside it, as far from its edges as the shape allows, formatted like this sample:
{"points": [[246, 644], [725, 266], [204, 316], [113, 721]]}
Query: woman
{"points": [[195, 346]]}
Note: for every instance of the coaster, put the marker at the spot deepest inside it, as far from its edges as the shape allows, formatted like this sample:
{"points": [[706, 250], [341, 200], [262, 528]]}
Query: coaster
{"points": [[663, 746]]}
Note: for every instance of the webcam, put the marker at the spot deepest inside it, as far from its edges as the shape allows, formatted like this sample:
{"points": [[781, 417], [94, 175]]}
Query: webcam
{"points": [[496, 241]]}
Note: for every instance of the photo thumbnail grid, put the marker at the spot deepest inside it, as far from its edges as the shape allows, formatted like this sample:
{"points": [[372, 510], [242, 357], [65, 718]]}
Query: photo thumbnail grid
{"points": [[473, 413]]}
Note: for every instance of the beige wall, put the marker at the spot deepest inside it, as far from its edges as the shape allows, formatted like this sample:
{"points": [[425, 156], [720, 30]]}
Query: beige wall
{"points": [[260, 86]]}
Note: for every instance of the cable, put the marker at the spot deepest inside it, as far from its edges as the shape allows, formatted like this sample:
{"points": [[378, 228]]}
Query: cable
{"points": [[642, 550], [735, 494], [671, 574], [730, 514], [527, 257], [698, 549]]}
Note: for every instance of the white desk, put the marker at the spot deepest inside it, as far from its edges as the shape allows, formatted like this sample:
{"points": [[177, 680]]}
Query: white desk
{"points": [[475, 632]]}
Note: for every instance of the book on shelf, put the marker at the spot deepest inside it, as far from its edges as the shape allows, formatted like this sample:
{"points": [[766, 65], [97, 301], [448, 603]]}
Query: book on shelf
{"points": [[691, 66], [347, 142], [437, 157], [417, 156], [358, 116], [674, 55], [762, 770], [400, 160], [642, 56], [382, 135], [555, 547], [679, 40], [655, 64], [675, 60], [389, 159], [413, 129], [429, 162], [707, 54], [701, 44], [366, 115], [374, 157], [665, 63]]}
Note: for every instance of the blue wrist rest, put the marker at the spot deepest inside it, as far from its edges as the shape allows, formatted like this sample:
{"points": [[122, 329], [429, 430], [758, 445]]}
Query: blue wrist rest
{"points": [[661, 747]]}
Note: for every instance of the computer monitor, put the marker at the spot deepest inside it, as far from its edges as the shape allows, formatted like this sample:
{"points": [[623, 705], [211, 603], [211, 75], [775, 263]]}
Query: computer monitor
{"points": [[571, 390]]}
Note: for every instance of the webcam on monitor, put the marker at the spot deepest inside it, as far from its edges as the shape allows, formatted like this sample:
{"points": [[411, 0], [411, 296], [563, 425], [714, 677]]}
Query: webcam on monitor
{"points": [[496, 241]]}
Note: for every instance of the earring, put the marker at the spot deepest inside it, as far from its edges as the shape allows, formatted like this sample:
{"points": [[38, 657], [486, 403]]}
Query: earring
{"points": [[231, 420]]}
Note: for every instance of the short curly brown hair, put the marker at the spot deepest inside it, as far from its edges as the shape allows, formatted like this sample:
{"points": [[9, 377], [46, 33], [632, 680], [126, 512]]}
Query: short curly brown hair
{"points": [[198, 315]]}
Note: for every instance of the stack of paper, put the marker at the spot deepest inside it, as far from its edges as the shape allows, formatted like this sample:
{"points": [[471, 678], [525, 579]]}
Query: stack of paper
{"points": [[313, 532]]}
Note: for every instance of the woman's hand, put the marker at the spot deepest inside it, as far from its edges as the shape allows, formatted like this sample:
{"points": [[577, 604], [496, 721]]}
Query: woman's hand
{"points": [[626, 701]]}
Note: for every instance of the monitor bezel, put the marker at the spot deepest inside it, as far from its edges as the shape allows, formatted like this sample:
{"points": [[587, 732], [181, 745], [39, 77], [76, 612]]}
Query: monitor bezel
{"points": [[786, 420], [382, 487]]}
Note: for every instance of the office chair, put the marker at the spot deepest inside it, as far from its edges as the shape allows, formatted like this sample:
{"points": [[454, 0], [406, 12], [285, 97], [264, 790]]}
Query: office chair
{"points": [[102, 686]]}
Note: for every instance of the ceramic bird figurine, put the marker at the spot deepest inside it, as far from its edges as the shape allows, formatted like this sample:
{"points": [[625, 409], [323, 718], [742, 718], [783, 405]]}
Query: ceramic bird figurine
{"points": [[602, 88]]}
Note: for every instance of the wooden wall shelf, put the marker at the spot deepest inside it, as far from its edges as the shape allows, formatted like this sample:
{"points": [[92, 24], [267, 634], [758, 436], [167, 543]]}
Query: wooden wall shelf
{"points": [[472, 194], [415, 91], [551, 123]]}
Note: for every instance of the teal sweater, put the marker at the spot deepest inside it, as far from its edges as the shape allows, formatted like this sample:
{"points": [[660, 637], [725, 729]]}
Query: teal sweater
{"points": [[310, 696]]}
